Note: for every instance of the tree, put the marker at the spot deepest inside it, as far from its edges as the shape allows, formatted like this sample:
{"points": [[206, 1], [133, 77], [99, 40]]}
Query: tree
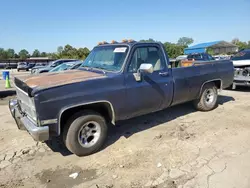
{"points": [[149, 40], [185, 41], [3, 54], [10, 53], [248, 44], [43, 54], [24, 54], [16, 56], [173, 50], [36, 53], [242, 45], [235, 41], [59, 50], [83, 52], [69, 52], [53, 55]]}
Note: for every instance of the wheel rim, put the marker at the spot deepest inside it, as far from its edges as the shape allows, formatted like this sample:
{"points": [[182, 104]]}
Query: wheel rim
{"points": [[209, 96], [89, 134]]}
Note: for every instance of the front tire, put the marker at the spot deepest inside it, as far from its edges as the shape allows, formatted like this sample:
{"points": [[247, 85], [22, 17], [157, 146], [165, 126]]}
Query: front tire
{"points": [[85, 133], [208, 98]]}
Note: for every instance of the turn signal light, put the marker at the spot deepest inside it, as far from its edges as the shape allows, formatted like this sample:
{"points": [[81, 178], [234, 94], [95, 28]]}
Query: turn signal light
{"points": [[113, 42], [104, 42]]}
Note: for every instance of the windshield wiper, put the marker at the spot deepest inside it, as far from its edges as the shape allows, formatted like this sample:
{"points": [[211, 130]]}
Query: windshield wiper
{"points": [[100, 68]]}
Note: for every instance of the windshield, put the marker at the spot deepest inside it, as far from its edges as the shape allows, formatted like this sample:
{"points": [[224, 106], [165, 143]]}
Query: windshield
{"points": [[243, 55], [110, 58], [61, 67], [22, 63]]}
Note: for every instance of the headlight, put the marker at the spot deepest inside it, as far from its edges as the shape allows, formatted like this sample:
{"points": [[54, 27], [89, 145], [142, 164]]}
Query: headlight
{"points": [[245, 72], [33, 109]]}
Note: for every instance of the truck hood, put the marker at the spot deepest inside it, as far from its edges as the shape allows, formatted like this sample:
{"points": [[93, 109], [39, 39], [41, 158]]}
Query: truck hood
{"points": [[45, 69], [241, 63], [53, 79]]}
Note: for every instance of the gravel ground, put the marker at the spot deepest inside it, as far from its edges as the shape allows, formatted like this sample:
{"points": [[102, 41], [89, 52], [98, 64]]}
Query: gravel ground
{"points": [[175, 148]]}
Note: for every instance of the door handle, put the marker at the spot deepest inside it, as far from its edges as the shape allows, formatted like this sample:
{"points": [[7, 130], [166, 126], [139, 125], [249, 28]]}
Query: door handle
{"points": [[163, 73]]}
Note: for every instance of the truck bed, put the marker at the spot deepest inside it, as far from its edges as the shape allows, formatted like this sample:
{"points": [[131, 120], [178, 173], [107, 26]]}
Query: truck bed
{"points": [[189, 80]]}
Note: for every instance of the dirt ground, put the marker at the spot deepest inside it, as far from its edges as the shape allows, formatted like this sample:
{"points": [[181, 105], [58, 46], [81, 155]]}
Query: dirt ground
{"points": [[175, 148]]}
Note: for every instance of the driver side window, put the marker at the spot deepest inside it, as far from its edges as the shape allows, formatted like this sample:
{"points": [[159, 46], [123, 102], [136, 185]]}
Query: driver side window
{"points": [[149, 55]]}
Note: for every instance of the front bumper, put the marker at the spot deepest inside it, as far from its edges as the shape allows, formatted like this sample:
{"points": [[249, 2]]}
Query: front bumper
{"points": [[24, 123], [241, 81]]}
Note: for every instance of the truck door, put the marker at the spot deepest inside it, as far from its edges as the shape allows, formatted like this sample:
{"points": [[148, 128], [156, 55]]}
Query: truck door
{"points": [[155, 90]]}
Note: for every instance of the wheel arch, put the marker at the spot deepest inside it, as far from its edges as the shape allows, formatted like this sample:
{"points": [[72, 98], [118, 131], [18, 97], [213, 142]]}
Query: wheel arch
{"points": [[218, 83], [105, 108]]}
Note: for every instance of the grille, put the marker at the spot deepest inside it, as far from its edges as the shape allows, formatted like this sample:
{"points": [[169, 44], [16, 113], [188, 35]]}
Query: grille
{"points": [[26, 104]]}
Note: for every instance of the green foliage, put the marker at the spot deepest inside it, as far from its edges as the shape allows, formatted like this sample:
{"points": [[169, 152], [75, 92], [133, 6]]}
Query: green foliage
{"points": [[43, 54], [59, 50], [10, 53], [24, 54], [240, 44], [148, 40], [68, 51], [3, 54], [210, 51], [36, 53], [173, 50], [185, 41], [83, 53]]}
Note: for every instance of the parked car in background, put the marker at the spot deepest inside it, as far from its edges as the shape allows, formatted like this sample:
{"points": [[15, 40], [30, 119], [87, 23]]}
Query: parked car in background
{"points": [[40, 64], [22, 66], [241, 62], [221, 57], [67, 66], [116, 82], [9, 65], [216, 57], [51, 65], [181, 57], [196, 57], [177, 60]]}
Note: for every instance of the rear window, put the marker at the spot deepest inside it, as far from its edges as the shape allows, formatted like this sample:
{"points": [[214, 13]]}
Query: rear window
{"points": [[195, 56], [243, 55]]}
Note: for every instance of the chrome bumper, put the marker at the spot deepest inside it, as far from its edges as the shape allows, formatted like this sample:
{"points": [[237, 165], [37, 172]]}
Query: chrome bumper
{"points": [[24, 123]]}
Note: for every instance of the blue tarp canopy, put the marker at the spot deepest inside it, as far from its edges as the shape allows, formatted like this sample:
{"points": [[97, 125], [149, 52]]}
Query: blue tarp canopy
{"points": [[200, 48]]}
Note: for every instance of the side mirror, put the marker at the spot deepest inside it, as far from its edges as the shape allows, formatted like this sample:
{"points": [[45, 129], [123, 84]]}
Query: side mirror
{"points": [[144, 68]]}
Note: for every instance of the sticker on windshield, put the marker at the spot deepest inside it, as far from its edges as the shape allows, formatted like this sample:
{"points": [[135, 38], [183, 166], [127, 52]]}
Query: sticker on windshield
{"points": [[120, 50]]}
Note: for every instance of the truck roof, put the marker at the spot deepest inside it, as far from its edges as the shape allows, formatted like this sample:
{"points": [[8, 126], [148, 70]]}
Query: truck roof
{"points": [[128, 43]]}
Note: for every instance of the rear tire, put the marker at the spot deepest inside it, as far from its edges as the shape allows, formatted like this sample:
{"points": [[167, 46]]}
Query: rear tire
{"points": [[85, 133], [208, 98], [17, 70]]}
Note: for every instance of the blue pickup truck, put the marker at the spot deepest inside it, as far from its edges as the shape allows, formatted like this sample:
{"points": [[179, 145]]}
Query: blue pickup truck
{"points": [[117, 81]]}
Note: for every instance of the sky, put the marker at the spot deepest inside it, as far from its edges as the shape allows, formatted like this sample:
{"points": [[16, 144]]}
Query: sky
{"points": [[47, 24]]}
